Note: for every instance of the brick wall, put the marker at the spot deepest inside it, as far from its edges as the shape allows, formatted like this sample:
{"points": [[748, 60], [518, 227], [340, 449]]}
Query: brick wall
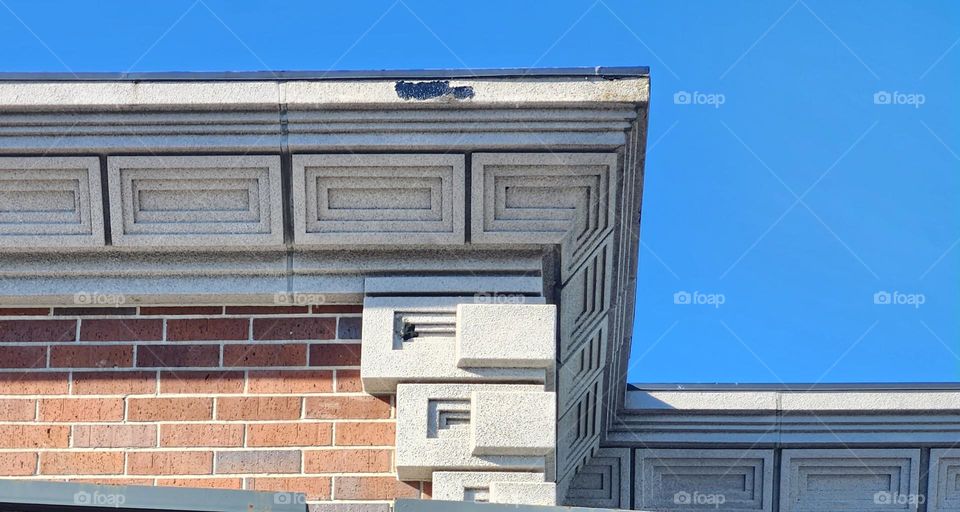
{"points": [[239, 397]]}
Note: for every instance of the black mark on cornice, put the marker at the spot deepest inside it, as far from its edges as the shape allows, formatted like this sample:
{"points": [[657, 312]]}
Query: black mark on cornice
{"points": [[430, 90]]}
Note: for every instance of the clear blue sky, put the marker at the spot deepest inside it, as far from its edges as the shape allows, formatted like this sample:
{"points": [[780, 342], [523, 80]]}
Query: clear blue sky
{"points": [[781, 189]]}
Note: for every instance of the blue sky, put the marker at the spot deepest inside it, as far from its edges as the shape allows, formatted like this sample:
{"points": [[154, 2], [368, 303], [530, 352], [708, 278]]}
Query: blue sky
{"points": [[802, 196]]}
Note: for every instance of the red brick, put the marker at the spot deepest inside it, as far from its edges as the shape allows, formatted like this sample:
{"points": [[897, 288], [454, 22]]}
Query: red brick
{"points": [[18, 463], [302, 328], [335, 309], [191, 434], [315, 488], [24, 311], [207, 329], [114, 383], [267, 310], [23, 357], [174, 356], [169, 463], [347, 461], [34, 436], [259, 461], [91, 356], [17, 409], [204, 382], [93, 311], [81, 463], [258, 408], [113, 481], [38, 330], [34, 383], [180, 310], [205, 483], [426, 490], [347, 407], [290, 381], [125, 329], [265, 355], [365, 434], [374, 488], [169, 409], [289, 434], [114, 436], [81, 409], [335, 354], [348, 381]]}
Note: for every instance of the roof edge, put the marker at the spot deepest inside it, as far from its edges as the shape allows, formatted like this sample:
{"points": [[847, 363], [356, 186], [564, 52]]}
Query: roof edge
{"points": [[607, 72]]}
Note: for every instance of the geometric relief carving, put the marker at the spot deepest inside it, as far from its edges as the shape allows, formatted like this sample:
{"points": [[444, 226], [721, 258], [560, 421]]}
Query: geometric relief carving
{"points": [[475, 485], [540, 198], [50, 202], [849, 479], [378, 199], [506, 427], [416, 339], [604, 482], [943, 494], [578, 428], [730, 480], [196, 201]]}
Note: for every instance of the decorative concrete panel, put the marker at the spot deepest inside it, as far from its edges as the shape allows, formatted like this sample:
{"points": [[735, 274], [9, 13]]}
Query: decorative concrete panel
{"points": [[729, 480], [943, 491], [506, 335], [195, 201], [578, 428], [378, 199], [475, 485], [836, 480], [437, 432], [50, 202], [604, 482], [541, 197], [415, 339]]}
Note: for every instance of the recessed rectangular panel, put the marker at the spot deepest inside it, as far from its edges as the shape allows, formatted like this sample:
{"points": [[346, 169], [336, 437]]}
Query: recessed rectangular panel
{"points": [[50, 202], [378, 199], [943, 492], [730, 480], [199, 201], [861, 480]]}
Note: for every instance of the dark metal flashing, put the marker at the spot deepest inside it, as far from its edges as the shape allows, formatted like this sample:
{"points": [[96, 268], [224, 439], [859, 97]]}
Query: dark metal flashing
{"points": [[858, 386], [612, 73], [37, 496]]}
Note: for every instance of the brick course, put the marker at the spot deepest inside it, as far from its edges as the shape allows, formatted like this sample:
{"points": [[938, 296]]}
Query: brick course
{"points": [[232, 397]]}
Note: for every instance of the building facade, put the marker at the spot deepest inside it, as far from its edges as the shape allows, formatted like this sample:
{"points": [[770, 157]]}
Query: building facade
{"points": [[370, 287]]}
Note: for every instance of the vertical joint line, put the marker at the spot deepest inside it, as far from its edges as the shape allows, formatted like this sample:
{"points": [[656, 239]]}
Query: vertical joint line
{"points": [[105, 199], [467, 196], [286, 185]]}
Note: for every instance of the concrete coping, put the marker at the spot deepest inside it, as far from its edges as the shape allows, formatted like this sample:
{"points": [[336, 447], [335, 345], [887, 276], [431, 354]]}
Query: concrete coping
{"points": [[798, 400], [560, 90]]}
